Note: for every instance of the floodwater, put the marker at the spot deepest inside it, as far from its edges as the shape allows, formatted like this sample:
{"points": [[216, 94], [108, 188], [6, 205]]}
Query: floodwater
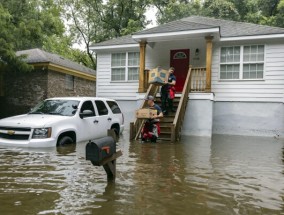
{"points": [[225, 175]]}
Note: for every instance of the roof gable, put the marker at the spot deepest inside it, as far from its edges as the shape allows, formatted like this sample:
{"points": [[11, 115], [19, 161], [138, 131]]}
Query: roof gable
{"points": [[39, 56]]}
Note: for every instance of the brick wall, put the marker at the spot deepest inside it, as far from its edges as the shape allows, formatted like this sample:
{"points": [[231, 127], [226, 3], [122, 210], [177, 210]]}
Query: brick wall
{"points": [[22, 90], [57, 87]]}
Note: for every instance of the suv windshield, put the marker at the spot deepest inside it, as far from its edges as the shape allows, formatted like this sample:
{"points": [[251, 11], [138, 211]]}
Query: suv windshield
{"points": [[56, 107]]}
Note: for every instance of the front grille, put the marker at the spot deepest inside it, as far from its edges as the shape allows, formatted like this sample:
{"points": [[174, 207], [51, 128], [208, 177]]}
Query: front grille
{"points": [[14, 136], [15, 133], [15, 129]]}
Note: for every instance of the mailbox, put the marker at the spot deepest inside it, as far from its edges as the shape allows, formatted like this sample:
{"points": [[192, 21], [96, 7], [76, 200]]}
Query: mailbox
{"points": [[100, 149]]}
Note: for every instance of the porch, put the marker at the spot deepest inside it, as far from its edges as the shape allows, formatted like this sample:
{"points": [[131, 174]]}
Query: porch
{"points": [[153, 54], [194, 74]]}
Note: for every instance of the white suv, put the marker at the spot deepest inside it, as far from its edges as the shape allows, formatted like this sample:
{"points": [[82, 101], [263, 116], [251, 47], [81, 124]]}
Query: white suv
{"points": [[59, 121]]}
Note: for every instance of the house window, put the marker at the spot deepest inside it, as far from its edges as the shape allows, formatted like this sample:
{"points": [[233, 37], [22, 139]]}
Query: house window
{"points": [[253, 62], [69, 82], [125, 66], [230, 62], [242, 62]]}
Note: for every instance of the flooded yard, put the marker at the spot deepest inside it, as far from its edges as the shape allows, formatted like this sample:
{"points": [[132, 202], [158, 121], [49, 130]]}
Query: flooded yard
{"points": [[225, 175]]}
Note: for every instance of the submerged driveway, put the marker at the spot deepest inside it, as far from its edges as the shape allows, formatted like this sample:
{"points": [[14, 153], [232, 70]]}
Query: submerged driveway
{"points": [[228, 175]]}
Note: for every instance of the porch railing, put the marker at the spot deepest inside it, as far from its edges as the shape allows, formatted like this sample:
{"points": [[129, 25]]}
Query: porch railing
{"points": [[180, 113], [136, 126], [198, 79]]}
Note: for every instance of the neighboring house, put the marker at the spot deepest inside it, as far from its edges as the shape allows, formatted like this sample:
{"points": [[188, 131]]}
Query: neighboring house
{"points": [[52, 76], [237, 84]]}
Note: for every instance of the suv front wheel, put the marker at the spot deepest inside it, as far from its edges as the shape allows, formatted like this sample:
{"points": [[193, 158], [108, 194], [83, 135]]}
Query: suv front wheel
{"points": [[64, 141]]}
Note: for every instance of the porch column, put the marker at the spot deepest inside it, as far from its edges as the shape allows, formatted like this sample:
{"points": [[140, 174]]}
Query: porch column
{"points": [[208, 62], [141, 88]]}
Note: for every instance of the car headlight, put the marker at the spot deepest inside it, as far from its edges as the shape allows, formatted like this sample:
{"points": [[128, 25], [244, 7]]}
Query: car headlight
{"points": [[40, 133]]}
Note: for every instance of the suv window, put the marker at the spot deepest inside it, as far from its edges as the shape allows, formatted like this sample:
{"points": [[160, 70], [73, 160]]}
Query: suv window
{"points": [[114, 107], [102, 109], [88, 105]]}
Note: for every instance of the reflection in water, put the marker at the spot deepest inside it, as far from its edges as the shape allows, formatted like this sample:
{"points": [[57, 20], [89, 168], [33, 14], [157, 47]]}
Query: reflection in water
{"points": [[228, 175], [66, 149]]}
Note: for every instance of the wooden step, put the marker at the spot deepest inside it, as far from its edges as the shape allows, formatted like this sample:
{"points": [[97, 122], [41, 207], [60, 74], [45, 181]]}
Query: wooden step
{"points": [[165, 129], [165, 135], [165, 124], [167, 119], [170, 114]]}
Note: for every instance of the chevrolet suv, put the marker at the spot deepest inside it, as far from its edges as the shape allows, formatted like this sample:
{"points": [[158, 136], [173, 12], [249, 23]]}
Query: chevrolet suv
{"points": [[60, 121]]}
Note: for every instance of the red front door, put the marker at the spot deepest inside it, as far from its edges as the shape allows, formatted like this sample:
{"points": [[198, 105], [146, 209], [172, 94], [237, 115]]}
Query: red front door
{"points": [[180, 61]]}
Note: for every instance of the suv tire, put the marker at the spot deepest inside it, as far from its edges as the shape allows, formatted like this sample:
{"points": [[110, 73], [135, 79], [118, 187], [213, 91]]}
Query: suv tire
{"points": [[64, 141]]}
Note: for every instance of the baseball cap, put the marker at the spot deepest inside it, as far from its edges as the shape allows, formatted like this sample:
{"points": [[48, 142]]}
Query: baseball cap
{"points": [[150, 98]]}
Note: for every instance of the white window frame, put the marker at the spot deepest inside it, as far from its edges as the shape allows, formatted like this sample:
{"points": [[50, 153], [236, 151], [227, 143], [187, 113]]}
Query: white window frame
{"points": [[241, 63], [126, 67]]}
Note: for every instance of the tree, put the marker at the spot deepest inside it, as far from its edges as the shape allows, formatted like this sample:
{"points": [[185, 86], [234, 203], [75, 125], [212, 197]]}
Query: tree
{"points": [[93, 21], [273, 12], [221, 9], [63, 46], [119, 16], [7, 53], [24, 25], [174, 10]]}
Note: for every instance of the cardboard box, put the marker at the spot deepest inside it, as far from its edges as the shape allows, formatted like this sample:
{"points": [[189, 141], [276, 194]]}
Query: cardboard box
{"points": [[145, 113], [158, 76]]}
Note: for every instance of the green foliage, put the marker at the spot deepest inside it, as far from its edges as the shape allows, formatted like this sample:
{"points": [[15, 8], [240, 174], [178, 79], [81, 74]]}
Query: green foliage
{"points": [[175, 10], [255, 11], [63, 46], [26, 24], [29, 24], [221, 9], [93, 21], [7, 53]]}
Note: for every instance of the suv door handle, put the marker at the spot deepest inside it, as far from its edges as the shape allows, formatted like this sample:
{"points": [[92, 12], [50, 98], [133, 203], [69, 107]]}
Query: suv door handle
{"points": [[96, 121], [109, 119]]}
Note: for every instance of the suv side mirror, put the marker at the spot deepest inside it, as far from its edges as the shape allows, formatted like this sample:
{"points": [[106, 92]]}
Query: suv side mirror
{"points": [[86, 113]]}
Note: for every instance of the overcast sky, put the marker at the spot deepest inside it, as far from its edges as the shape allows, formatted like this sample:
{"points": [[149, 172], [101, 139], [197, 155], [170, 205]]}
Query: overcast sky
{"points": [[150, 16]]}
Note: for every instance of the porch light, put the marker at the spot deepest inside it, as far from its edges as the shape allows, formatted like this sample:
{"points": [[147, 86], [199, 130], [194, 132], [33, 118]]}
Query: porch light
{"points": [[196, 52]]}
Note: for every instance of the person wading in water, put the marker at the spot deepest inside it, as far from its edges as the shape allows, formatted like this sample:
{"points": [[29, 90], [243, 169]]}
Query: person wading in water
{"points": [[151, 128]]}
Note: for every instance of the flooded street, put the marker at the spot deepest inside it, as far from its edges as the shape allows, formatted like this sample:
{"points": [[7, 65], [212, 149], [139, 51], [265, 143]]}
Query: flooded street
{"points": [[228, 175]]}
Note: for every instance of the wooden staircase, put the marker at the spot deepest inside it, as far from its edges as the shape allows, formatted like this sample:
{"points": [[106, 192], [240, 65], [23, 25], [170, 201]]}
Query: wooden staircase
{"points": [[171, 124], [167, 121]]}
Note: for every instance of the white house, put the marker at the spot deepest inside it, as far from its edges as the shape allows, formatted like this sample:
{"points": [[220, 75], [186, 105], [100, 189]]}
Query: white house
{"points": [[237, 84]]}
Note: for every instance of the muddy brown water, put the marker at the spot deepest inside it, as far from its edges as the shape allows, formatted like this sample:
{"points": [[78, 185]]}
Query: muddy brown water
{"points": [[225, 175]]}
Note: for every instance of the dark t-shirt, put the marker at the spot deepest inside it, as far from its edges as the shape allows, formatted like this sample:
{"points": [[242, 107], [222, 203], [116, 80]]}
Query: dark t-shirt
{"points": [[156, 107], [159, 110], [165, 88]]}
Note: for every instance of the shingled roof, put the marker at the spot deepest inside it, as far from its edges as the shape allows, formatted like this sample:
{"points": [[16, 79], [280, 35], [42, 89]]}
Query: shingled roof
{"points": [[40, 56], [117, 41], [175, 26], [227, 29]]}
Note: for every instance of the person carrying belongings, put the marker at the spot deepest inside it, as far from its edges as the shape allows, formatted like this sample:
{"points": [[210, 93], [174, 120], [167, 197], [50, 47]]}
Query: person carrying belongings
{"points": [[151, 128], [168, 92]]}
